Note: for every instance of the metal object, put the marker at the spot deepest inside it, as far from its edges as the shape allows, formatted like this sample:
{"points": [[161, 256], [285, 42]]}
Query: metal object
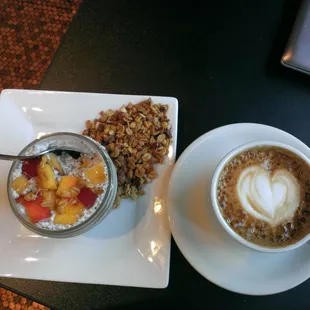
{"points": [[24, 157], [296, 55]]}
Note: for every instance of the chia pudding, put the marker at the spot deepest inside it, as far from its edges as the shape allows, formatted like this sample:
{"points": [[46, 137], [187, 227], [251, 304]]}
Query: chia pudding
{"points": [[59, 190]]}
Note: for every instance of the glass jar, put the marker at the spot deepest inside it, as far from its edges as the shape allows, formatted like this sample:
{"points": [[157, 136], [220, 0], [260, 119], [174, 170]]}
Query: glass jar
{"points": [[83, 145]]}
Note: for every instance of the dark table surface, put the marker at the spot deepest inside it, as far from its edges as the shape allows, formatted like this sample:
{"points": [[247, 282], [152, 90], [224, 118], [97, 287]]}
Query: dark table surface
{"points": [[221, 60]]}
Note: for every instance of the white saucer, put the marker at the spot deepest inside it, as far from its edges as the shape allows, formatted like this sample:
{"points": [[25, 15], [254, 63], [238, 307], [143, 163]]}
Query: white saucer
{"points": [[201, 239]]}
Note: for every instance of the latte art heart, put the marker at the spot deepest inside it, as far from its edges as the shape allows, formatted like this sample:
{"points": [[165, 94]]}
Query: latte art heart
{"points": [[272, 198]]}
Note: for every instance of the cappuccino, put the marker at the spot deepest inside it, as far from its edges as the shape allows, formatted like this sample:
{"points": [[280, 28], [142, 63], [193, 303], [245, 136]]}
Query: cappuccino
{"points": [[264, 195]]}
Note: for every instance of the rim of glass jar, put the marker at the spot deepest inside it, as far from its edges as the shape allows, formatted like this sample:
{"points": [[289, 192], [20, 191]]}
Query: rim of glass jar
{"points": [[102, 210]]}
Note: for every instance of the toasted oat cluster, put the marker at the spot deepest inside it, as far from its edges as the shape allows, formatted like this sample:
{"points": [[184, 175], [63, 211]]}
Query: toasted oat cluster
{"points": [[137, 136]]}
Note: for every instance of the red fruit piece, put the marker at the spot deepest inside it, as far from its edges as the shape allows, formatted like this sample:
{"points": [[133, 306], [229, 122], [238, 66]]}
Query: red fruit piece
{"points": [[35, 211], [21, 200], [30, 168], [87, 197]]}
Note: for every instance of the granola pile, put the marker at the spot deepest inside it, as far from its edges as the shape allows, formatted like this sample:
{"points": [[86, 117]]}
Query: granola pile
{"points": [[137, 136]]}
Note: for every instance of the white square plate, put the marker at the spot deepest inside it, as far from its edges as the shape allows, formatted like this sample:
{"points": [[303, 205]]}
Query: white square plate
{"points": [[131, 247]]}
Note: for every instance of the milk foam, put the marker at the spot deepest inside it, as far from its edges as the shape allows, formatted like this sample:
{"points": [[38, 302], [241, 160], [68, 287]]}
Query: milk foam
{"points": [[270, 198]]}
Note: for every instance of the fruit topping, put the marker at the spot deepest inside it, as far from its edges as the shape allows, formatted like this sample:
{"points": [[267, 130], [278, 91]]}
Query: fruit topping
{"points": [[87, 197], [30, 168], [47, 179]]}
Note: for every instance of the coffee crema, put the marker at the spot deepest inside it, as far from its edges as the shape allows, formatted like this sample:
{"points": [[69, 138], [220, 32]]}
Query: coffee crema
{"points": [[264, 195]]}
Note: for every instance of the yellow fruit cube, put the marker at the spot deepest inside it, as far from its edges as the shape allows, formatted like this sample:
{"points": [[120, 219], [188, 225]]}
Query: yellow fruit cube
{"points": [[67, 187], [65, 219], [95, 174], [70, 213], [46, 175], [20, 184], [76, 209], [54, 162]]}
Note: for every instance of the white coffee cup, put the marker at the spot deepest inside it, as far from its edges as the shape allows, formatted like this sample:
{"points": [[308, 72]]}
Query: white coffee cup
{"points": [[217, 207]]}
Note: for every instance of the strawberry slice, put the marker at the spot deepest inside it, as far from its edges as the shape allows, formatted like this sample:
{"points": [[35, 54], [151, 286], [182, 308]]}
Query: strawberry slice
{"points": [[87, 197], [35, 211], [30, 168]]}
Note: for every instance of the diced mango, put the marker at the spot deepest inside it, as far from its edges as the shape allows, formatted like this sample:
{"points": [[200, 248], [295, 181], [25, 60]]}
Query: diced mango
{"points": [[54, 162], [70, 213], [20, 184], [49, 199], [65, 218], [96, 174], [46, 175], [67, 187], [76, 209]]}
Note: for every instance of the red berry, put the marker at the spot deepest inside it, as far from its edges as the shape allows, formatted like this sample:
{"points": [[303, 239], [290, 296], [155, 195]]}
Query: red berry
{"points": [[30, 168], [20, 200], [87, 197]]}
